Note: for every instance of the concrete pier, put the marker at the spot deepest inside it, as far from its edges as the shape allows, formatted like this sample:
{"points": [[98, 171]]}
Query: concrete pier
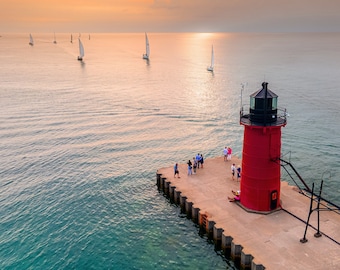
{"points": [[253, 241]]}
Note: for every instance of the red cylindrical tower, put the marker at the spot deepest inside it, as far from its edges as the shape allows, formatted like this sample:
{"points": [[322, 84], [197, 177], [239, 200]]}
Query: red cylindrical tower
{"points": [[260, 180]]}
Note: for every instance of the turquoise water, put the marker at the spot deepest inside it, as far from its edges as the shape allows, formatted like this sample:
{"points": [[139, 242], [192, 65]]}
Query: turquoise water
{"points": [[80, 143]]}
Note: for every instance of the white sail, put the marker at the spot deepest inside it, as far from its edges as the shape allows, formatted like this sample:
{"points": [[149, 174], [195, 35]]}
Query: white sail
{"points": [[31, 41], [81, 50], [211, 67], [147, 49]]}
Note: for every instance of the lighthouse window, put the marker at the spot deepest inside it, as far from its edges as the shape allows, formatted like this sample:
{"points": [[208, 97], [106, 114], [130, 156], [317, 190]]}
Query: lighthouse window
{"points": [[252, 103], [274, 104]]}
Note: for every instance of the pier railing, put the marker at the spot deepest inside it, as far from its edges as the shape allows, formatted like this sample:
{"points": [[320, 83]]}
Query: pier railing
{"points": [[327, 203], [322, 203]]}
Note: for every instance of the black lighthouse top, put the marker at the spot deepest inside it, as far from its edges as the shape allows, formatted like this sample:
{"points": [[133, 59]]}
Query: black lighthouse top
{"points": [[263, 109]]}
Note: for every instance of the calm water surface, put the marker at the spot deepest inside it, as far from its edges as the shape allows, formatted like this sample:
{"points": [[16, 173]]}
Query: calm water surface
{"points": [[80, 142]]}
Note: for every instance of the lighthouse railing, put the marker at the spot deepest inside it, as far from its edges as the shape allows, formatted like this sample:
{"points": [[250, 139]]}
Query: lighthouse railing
{"points": [[245, 116]]}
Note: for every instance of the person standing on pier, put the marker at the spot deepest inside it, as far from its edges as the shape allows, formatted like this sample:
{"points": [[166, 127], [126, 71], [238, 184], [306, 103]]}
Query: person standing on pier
{"points": [[195, 164], [201, 161], [229, 151], [176, 170], [238, 173], [189, 167], [233, 170], [225, 153], [198, 159]]}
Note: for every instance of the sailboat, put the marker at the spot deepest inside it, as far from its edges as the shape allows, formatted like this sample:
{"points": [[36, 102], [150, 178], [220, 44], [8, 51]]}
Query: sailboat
{"points": [[147, 54], [81, 50], [54, 41], [211, 67], [71, 39], [31, 40]]}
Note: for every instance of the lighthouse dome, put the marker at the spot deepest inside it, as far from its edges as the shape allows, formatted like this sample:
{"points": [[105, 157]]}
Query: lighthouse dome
{"points": [[263, 105], [261, 94]]}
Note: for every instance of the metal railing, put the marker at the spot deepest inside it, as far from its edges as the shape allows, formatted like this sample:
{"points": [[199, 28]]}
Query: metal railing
{"points": [[246, 116], [322, 203]]}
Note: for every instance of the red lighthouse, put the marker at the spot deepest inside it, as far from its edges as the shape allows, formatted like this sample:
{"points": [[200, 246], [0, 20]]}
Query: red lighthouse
{"points": [[260, 181]]}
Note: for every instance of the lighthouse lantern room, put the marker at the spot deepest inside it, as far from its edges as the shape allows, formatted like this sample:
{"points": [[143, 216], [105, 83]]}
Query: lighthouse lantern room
{"points": [[260, 180]]}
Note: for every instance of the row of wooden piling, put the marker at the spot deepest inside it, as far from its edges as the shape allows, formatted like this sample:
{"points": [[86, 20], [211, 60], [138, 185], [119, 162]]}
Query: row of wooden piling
{"points": [[230, 249]]}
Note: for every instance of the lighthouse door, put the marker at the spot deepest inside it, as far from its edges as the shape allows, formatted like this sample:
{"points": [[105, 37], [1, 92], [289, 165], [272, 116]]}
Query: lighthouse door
{"points": [[273, 200]]}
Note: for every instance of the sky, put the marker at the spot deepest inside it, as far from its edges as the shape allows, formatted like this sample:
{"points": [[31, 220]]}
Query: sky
{"points": [[169, 16]]}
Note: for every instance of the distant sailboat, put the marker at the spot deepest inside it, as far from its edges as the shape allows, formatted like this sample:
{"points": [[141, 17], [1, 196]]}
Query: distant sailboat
{"points": [[54, 41], [211, 67], [81, 50], [71, 38], [31, 41], [147, 54]]}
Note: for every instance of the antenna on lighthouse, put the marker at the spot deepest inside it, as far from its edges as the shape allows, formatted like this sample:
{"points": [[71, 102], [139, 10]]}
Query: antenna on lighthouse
{"points": [[243, 85]]}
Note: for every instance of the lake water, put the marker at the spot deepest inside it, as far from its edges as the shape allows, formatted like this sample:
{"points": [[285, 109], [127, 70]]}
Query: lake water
{"points": [[80, 142]]}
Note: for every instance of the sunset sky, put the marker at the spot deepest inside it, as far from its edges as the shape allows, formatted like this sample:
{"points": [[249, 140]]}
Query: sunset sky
{"points": [[169, 15]]}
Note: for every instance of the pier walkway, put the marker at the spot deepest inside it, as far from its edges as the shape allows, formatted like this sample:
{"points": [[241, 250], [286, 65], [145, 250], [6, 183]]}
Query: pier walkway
{"points": [[258, 241]]}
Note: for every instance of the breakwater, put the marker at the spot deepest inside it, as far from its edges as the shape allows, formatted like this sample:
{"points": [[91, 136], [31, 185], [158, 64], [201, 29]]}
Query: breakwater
{"points": [[252, 240], [231, 250]]}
